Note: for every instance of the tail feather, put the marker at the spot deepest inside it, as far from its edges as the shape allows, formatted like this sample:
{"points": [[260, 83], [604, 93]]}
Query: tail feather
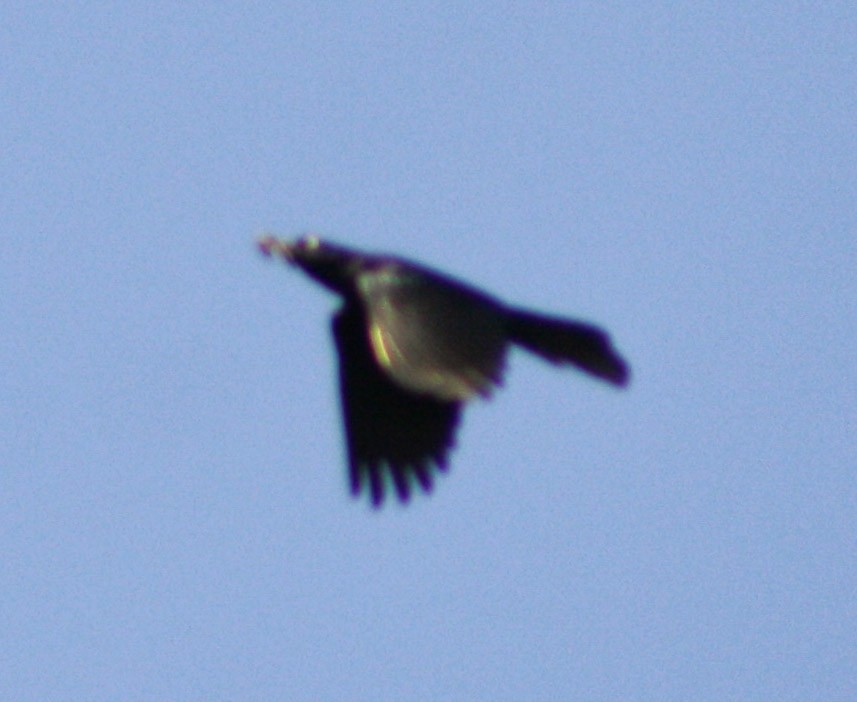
{"points": [[563, 341]]}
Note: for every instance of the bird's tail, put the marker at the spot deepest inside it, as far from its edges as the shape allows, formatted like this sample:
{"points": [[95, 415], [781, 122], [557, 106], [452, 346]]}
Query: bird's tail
{"points": [[563, 341]]}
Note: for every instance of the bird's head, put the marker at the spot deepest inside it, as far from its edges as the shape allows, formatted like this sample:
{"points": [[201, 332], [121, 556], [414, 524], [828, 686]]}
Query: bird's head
{"points": [[333, 266]]}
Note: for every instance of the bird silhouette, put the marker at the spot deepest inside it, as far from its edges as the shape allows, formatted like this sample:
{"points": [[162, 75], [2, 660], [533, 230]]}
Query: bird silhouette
{"points": [[414, 345]]}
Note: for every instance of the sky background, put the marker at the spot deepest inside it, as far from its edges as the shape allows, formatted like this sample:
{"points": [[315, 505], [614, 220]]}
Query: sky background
{"points": [[174, 515]]}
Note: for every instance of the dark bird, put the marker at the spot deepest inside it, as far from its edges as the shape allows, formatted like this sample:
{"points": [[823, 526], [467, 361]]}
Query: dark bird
{"points": [[414, 345]]}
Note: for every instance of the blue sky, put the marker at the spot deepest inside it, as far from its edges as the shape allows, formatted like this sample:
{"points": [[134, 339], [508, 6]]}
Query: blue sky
{"points": [[174, 519]]}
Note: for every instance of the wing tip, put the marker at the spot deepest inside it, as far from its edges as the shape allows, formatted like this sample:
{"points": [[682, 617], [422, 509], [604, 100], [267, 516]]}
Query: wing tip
{"points": [[400, 480]]}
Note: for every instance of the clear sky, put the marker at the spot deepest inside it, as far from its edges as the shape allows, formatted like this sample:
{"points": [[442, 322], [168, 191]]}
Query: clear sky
{"points": [[174, 516]]}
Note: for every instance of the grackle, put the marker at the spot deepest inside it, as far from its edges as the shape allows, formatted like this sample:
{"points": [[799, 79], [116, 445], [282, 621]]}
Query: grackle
{"points": [[414, 345]]}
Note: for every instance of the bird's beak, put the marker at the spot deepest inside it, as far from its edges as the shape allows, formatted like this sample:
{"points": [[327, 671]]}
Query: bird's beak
{"points": [[272, 246]]}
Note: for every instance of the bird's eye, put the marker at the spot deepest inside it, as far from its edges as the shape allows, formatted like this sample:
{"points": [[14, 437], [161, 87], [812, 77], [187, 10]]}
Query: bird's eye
{"points": [[311, 242]]}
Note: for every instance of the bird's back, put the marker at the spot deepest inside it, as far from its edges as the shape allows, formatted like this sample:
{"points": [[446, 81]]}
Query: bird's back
{"points": [[431, 334]]}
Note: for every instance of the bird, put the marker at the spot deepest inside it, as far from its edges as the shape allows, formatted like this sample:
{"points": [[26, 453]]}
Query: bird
{"points": [[414, 346]]}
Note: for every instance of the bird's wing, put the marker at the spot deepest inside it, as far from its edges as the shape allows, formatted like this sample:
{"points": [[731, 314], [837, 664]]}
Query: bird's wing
{"points": [[433, 336], [391, 432]]}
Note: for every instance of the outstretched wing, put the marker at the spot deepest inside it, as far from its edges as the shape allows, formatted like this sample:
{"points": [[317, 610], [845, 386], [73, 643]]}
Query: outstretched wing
{"points": [[391, 432]]}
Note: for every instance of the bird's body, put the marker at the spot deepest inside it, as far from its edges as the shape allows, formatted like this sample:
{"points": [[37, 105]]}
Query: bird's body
{"points": [[431, 335], [414, 345]]}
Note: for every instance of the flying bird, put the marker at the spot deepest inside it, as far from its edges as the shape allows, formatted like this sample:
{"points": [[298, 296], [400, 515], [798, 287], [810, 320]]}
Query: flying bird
{"points": [[414, 345]]}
